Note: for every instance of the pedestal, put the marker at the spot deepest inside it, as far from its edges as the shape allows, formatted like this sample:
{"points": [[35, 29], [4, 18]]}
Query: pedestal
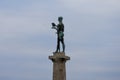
{"points": [[59, 69]]}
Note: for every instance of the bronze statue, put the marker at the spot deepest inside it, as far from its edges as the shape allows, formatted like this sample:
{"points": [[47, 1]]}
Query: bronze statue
{"points": [[60, 34]]}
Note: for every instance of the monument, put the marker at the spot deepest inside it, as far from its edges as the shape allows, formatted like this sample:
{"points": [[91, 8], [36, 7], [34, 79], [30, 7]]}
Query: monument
{"points": [[59, 58]]}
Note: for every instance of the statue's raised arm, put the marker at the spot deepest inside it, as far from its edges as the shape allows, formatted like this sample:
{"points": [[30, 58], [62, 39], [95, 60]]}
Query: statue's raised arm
{"points": [[54, 26]]}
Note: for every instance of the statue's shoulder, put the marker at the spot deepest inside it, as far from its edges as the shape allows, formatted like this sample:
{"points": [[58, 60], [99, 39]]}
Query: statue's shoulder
{"points": [[60, 24]]}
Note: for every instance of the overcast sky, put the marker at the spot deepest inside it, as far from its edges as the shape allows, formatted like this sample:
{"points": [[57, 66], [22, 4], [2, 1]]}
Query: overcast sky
{"points": [[92, 38]]}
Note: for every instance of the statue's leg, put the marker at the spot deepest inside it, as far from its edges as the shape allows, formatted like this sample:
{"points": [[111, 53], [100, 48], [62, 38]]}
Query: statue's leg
{"points": [[58, 45], [63, 44]]}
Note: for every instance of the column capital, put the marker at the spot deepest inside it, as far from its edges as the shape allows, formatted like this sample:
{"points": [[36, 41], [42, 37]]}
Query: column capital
{"points": [[60, 56]]}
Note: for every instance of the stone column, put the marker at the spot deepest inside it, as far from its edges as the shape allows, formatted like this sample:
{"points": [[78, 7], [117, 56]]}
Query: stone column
{"points": [[59, 70]]}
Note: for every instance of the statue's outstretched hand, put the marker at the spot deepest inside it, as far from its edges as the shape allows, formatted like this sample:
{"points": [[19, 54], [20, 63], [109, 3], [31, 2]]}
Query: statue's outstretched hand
{"points": [[53, 25]]}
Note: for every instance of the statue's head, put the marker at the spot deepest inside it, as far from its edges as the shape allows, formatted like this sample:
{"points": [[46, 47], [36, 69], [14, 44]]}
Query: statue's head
{"points": [[60, 19]]}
